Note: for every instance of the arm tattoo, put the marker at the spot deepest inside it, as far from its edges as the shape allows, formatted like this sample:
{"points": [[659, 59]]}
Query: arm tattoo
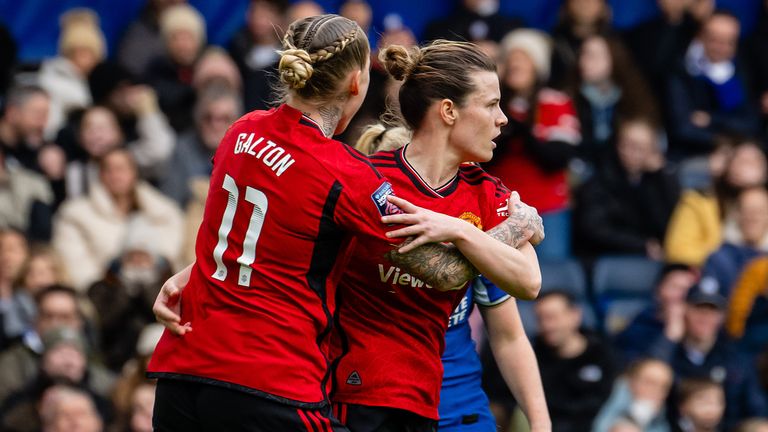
{"points": [[444, 267], [330, 116], [441, 266], [517, 228]]}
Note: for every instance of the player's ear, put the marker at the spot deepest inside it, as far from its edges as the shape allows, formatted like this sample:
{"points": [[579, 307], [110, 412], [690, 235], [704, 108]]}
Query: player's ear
{"points": [[354, 82], [447, 110]]}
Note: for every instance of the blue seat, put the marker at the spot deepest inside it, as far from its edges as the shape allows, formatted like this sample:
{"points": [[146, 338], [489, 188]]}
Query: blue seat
{"points": [[622, 286], [563, 275]]}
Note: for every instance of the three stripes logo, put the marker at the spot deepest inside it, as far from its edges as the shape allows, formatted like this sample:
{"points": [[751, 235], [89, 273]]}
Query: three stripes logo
{"points": [[354, 379]]}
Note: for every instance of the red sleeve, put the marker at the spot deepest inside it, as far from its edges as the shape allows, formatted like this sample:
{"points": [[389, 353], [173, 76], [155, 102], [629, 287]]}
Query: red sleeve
{"points": [[363, 203], [497, 209]]}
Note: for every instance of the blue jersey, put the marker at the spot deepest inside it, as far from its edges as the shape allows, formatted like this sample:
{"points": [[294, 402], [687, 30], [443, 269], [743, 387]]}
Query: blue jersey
{"points": [[463, 404]]}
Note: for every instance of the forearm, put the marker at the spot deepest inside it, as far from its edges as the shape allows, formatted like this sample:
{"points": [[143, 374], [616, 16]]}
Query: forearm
{"points": [[446, 267], [181, 279], [517, 361], [515, 271], [518, 366]]}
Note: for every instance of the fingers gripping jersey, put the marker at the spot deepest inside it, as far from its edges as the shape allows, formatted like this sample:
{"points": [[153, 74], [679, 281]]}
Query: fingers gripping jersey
{"points": [[391, 325], [275, 235]]}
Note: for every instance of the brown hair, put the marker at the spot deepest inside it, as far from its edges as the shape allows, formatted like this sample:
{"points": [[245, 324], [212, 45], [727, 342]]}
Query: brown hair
{"points": [[437, 71], [637, 99], [691, 386], [317, 54]]}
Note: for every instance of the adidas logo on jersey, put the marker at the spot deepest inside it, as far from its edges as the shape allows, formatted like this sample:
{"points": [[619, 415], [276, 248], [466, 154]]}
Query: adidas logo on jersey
{"points": [[354, 379]]}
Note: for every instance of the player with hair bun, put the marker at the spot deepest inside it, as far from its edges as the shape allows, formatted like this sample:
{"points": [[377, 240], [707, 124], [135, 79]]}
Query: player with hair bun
{"points": [[464, 406], [284, 203], [391, 325]]}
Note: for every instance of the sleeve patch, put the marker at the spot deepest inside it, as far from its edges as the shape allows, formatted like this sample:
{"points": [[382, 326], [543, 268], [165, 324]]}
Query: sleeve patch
{"points": [[379, 198]]}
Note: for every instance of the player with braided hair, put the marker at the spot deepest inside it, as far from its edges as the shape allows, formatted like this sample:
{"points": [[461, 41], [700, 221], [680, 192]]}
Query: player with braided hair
{"points": [[284, 203]]}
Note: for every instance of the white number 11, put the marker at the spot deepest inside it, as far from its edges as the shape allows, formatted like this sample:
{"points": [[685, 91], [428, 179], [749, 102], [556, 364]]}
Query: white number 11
{"points": [[259, 201]]}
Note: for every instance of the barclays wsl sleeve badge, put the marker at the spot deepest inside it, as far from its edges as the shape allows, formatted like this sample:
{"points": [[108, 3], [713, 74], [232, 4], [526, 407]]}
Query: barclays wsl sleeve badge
{"points": [[379, 197]]}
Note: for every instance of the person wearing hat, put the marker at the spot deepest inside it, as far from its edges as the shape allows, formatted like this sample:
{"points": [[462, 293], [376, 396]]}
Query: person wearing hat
{"points": [[540, 139], [171, 74], [65, 77], [697, 348]]}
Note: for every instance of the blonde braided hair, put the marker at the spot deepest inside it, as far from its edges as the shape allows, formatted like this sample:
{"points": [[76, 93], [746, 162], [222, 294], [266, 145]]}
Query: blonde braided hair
{"points": [[342, 43]]}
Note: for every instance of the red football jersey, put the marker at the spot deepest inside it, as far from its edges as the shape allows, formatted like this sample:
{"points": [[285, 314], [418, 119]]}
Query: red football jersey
{"points": [[391, 326], [282, 203]]}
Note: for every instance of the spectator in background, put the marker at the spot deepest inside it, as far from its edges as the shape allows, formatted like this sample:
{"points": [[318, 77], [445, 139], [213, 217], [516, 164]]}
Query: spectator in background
{"points": [[184, 37], [64, 361], [607, 88], [707, 92], [639, 396], [577, 370], [14, 251], [579, 19], [98, 134], [129, 397], [651, 323], [477, 21], [701, 403], [696, 349], [216, 67], [753, 425], [726, 264], [626, 206], [143, 41], [302, 9], [142, 403], [65, 408], [144, 127], [254, 49], [22, 126], [358, 11], [662, 40], [747, 317], [57, 307], [216, 108], [26, 201], [65, 77], [124, 298], [540, 138], [705, 218], [42, 268], [92, 230]]}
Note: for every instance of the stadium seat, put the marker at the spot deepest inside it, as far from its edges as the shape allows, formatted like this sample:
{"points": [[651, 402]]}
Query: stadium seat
{"points": [[565, 275], [623, 286]]}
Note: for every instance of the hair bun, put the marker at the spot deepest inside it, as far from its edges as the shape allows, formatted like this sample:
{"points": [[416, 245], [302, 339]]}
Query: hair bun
{"points": [[295, 68], [398, 61]]}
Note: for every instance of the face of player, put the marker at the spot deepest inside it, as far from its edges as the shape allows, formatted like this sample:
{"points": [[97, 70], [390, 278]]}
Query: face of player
{"points": [[478, 120], [353, 103]]}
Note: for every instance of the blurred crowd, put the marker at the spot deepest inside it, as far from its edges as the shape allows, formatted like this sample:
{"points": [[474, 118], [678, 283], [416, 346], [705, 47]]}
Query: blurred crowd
{"points": [[646, 144]]}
